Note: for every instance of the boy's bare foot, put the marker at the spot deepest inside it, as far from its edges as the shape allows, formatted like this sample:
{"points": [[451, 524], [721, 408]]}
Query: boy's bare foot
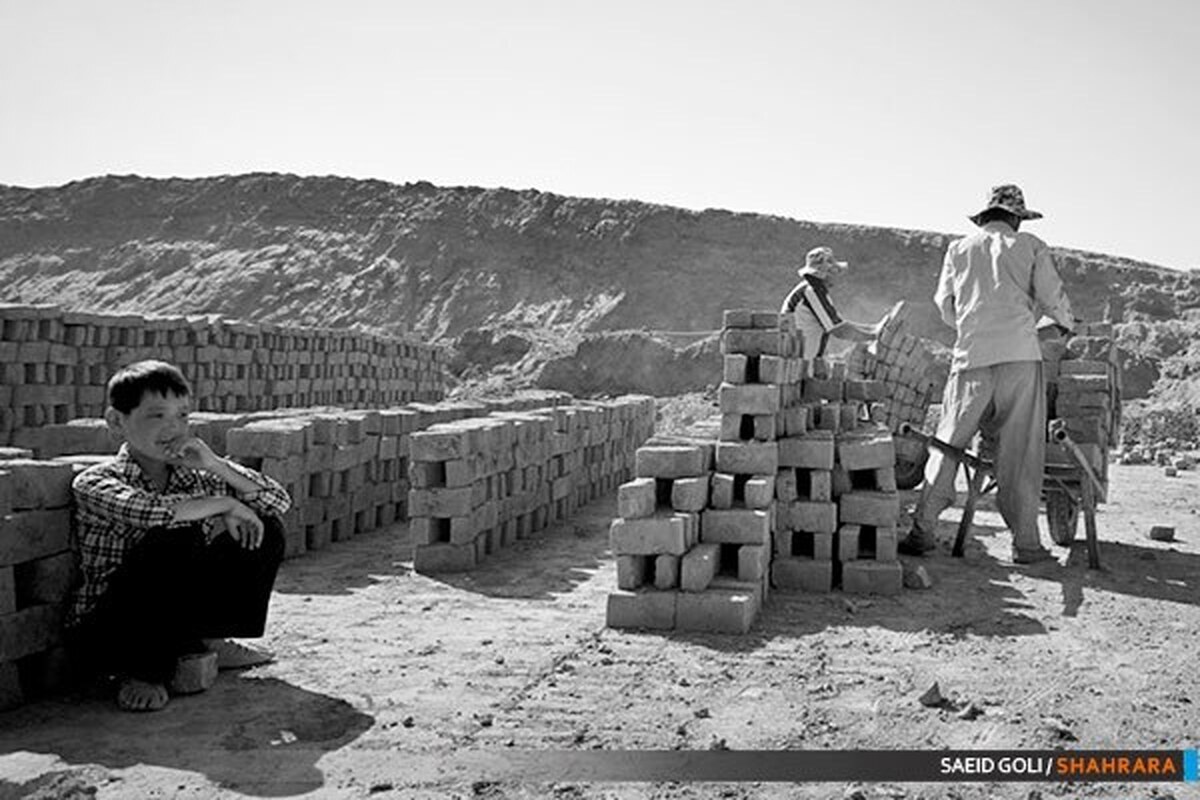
{"points": [[135, 695], [232, 655]]}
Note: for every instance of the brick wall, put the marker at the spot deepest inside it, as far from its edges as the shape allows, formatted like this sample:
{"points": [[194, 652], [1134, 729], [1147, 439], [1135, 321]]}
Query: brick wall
{"points": [[55, 363]]}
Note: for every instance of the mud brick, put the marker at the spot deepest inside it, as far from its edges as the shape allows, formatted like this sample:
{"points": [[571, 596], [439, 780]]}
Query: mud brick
{"points": [[45, 580], [886, 540], [768, 320], [870, 451], [885, 479], [735, 368], [440, 502], [30, 630], [689, 494], [812, 516], [870, 391], [765, 427], [670, 461], [721, 496], [849, 542], [29, 484], [753, 342], [434, 558], [801, 575], [1090, 348], [850, 415], [659, 535], [795, 421], [757, 398], [717, 610], [809, 544], [441, 443], [760, 491], [732, 427], [27, 535], [814, 485], [773, 369], [632, 571], [872, 577], [1084, 383], [813, 451], [699, 566], [275, 438], [785, 485], [738, 318], [8, 591], [817, 389], [666, 572], [747, 458], [637, 498], [754, 560], [826, 416], [1083, 367], [735, 526], [647, 608], [880, 509]]}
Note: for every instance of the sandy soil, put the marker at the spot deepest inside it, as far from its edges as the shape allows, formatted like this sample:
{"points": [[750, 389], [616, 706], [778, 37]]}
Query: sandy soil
{"points": [[393, 684]]}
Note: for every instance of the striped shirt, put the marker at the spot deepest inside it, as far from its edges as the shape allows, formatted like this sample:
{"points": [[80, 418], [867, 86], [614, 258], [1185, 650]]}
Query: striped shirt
{"points": [[116, 503], [814, 313]]}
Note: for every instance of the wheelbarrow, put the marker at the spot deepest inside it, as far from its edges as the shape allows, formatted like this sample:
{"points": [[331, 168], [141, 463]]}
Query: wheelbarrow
{"points": [[1068, 489]]}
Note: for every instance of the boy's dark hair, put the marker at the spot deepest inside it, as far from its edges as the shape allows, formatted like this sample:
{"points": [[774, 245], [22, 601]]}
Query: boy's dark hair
{"points": [[125, 389], [998, 215]]}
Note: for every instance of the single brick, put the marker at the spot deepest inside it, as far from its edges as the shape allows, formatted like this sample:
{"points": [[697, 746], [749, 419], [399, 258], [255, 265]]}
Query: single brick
{"points": [[717, 610], [802, 575], [814, 485], [766, 426], [886, 540], [8, 590], [670, 461], [753, 342], [808, 452], [637, 498], [632, 571], [722, 490], [808, 544], [27, 535], [37, 484], [46, 580], [689, 494], [643, 609], [785, 485], [818, 517], [774, 369], [760, 491], [735, 526], [765, 319], [880, 509], [758, 398], [666, 572], [848, 542], [30, 630], [817, 389], [699, 567], [735, 368], [753, 561], [738, 318], [872, 577], [433, 558], [747, 459], [650, 535], [443, 502]]}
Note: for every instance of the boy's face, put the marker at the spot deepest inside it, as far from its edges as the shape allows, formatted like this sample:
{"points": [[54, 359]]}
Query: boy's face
{"points": [[158, 423]]}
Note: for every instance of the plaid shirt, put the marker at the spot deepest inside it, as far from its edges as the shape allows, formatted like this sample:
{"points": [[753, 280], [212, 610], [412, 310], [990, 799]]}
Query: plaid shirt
{"points": [[116, 503]]}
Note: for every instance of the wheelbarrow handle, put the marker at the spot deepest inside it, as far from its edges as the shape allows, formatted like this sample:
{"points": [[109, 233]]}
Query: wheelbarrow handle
{"points": [[957, 453], [1058, 433]]}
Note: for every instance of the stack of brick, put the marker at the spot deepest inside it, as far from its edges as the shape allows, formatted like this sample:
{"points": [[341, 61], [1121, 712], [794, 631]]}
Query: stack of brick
{"points": [[868, 511], [478, 484], [37, 572], [693, 536], [1083, 389], [903, 362], [55, 364]]}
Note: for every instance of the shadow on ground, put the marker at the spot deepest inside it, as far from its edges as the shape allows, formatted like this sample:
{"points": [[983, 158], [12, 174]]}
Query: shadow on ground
{"points": [[257, 736]]}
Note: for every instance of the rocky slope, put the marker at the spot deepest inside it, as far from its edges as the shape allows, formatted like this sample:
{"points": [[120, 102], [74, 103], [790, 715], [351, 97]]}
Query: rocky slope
{"points": [[440, 261]]}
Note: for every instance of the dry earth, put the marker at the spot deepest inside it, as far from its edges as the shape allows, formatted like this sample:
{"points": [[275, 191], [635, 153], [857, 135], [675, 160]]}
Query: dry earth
{"points": [[394, 684]]}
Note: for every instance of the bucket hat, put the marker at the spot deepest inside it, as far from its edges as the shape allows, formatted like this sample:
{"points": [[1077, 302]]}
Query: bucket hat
{"points": [[1007, 196]]}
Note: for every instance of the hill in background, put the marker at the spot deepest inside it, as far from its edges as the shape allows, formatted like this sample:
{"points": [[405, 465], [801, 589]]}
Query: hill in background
{"points": [[441, 261]]}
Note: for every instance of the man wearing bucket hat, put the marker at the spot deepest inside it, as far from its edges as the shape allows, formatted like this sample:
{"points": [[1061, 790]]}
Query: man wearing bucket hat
{"points": [[816, 317], [994, 285]]}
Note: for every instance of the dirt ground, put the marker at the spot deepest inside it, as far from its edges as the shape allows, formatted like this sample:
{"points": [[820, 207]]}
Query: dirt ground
{"points": [[394, 684]]}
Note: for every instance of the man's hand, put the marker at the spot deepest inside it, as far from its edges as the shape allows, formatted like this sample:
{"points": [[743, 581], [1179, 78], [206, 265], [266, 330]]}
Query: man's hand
{"points": [[244, 525], [193, 452]]}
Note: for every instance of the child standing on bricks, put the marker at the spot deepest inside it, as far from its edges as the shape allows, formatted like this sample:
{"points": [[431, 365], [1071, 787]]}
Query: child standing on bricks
{"points": [[179, 548]]}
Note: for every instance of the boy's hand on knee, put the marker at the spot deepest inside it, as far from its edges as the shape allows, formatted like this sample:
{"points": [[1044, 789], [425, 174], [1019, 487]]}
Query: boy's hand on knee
{"points": [[244, 526]]}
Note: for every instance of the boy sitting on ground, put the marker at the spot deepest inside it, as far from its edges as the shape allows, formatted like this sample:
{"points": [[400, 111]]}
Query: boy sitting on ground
{"points": [[179, 547]]}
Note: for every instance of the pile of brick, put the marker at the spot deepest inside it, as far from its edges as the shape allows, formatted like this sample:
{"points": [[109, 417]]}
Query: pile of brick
{"points": [[1083, 389], [480, 484], [37, 572], [798, 493], [905, 364], [55, 364]]}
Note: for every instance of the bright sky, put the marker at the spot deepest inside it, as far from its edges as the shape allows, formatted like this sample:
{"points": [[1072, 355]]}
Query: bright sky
{"points": [[877, 112]]}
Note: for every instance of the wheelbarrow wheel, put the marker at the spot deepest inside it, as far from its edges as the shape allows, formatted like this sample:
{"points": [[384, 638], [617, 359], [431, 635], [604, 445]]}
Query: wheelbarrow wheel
{"points": [[1062, 513]]}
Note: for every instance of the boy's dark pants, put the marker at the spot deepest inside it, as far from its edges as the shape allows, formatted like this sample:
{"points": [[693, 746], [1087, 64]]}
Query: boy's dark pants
{"points": [[174, 590]]}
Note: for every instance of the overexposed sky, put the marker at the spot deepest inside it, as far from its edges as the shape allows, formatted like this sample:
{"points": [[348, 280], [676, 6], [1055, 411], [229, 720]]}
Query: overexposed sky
{"points": [[879, 113]]}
